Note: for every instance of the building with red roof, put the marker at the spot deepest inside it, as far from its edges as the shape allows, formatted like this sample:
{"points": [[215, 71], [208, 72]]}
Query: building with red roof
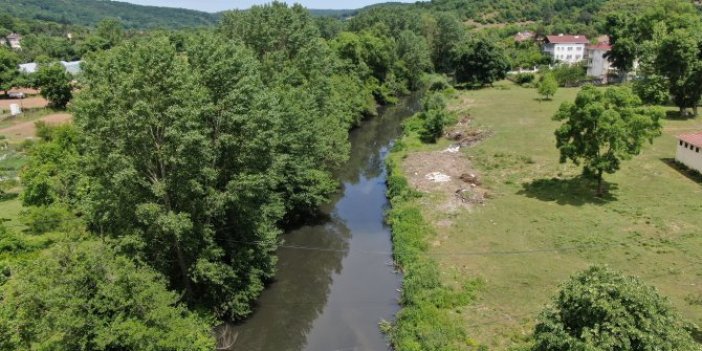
{"points": [[690, 150], [566, 48], [598, 65]]}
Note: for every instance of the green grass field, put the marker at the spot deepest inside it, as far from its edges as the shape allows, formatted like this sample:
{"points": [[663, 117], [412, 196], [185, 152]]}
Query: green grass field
{"points": [[543, 223]]}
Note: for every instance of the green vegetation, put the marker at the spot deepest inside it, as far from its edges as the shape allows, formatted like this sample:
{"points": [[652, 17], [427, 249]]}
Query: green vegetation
{"points": [[55, 84], [90, 12], [600, 309], [91, 298], [543, 222], [480, 62], [604, 128], [426, 321], [665, 39], [548, 86]]}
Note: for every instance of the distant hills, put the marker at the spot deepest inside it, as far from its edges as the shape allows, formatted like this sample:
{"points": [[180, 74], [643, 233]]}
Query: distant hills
{"points": [[90, 12]]}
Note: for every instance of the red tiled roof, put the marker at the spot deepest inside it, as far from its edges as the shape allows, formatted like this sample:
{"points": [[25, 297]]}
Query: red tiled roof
{"points": [[692, 138], [567, 39], [600, 46]]}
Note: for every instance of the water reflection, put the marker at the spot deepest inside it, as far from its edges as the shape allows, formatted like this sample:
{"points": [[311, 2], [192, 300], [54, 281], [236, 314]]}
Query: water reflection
{"points": [[334, 283]]}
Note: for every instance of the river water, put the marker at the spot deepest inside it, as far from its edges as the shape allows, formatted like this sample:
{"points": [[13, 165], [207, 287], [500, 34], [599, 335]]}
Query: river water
{"points": [[335, 280]]}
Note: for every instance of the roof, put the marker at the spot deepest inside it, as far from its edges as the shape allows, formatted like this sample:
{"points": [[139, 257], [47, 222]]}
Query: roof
{"points": [[692, 138], [28, 67], [14, 36], [567, 39], [600, 46]]}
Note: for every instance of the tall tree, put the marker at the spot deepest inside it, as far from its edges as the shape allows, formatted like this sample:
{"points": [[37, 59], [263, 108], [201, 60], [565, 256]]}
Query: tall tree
{"points": [[600, 309], [449, 32], [548, 86], [174, 153], [8, 68], [480, 62], [55, 84], [85, 296], [603, 128], [680, 60], [415, 57]]}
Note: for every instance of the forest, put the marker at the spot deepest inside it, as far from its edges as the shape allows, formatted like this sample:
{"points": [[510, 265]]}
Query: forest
{"points": [[157, 213]]}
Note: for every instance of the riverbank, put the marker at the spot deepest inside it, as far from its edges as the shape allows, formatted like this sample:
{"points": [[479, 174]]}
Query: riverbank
{"points": [[537, 222]]}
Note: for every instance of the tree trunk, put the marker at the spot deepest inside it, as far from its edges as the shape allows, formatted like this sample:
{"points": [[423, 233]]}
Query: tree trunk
{"points": [[184, 270], [600, 184], [694, 111]]}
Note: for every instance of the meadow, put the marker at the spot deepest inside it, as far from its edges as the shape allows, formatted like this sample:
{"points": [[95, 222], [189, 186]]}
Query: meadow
{"points": [[543, 223]]}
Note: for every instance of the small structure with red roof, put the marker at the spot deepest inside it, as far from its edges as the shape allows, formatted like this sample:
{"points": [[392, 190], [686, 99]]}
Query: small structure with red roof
{"points": [[566, 48], [690, 150], [598, 65], [524, 36]]}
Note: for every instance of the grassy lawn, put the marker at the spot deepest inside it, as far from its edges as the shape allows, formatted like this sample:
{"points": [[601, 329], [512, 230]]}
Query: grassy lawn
{"points": [[543, 223]]}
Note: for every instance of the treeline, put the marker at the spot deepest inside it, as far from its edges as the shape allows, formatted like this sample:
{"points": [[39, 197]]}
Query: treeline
{"points": [[91, 12], [663, 45], [189, 152]]}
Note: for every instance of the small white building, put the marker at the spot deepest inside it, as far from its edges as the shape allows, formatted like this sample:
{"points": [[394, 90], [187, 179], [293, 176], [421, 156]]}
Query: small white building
{"points": [[598, 66], [14, 40], [690, 150], [569, 49]]}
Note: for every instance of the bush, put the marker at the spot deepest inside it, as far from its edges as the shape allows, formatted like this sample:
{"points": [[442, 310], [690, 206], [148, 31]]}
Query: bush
{"points": [[600, 309], [524, 78], [569, 75], [44, 219]]}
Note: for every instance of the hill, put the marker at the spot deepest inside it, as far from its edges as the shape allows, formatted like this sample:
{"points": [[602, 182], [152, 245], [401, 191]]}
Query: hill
{"points": [[90, 12]]}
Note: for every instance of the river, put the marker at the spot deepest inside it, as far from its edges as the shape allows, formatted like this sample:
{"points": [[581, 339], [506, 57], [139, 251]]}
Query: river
{"points": [[335, 280]]}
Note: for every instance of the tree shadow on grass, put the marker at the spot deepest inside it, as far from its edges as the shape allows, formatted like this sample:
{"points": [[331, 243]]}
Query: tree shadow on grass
{"points": [[8, 196], [575, 191], [676, 116], [684, 170]]}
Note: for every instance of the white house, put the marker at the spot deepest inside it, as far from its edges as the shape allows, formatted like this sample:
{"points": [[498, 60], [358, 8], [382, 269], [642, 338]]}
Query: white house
{"points": [[598, 66], [690, 150], [567, 48]]}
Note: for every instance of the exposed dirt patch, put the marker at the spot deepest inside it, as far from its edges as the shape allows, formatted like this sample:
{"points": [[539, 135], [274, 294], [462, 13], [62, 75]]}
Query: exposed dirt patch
{"points": [[30, 102], [445, 173], [449, 173], [464, 135], [28, 129]]}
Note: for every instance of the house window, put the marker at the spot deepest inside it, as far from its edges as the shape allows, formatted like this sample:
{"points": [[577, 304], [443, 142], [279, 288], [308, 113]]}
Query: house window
{"points": [[569, 57], [580, 48], [697, 150], [681, 142], [570, 48], [577, 57]]}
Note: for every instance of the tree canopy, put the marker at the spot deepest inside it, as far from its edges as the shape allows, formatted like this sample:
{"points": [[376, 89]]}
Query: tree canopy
{"points": [[603, 128], [480, 62], [600, 309], [86, 296]]}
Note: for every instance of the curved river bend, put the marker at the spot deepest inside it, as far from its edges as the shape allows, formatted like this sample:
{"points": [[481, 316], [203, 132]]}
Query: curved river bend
{"points": [[335, 279]]}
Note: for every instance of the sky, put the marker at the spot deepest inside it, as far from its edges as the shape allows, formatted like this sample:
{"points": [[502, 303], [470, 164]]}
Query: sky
{"points": [[220, 5]]}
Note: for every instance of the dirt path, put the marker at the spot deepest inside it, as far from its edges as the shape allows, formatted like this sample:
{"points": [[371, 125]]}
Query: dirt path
{"points": [[27, 129], [31, 102]]}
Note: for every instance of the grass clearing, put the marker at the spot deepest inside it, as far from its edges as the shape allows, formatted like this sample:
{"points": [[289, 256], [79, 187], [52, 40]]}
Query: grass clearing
{"points": [[543, 222]]}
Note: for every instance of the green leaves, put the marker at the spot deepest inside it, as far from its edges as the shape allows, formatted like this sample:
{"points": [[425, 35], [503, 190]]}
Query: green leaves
{"points": [[55, 84], [603, 128], [600, 309], [480, 62], [88, 297]]}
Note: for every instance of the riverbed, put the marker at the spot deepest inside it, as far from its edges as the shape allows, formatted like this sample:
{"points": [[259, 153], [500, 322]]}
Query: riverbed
{"points": [[335, 279]]}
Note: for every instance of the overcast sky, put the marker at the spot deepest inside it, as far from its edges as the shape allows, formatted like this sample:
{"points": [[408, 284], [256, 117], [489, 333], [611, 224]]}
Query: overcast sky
{"points": [[220, 5]]}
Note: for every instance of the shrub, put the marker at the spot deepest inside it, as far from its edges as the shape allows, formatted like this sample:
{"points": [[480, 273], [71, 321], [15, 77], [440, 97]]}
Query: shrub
{"points": [[524, 78], [600, 309]]}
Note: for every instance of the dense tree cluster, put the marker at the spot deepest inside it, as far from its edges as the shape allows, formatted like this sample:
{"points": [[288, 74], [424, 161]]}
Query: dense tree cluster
{"points": [[664, 40]]}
